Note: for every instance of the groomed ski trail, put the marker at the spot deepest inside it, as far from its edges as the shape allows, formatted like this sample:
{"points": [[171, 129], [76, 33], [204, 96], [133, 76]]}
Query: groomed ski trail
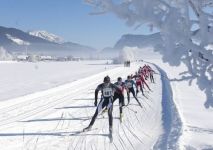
{"points": [[53, 119]]}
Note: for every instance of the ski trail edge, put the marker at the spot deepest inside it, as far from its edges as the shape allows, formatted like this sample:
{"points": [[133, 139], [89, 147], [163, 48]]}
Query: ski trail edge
{"points": [[172, 123]]}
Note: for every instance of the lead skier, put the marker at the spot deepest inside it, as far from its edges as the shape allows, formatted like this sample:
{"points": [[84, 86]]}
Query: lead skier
{"points": [[107, 89]]}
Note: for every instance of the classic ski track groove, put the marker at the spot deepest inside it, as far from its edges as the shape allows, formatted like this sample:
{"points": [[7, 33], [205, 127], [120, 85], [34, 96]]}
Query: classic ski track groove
{"points": [[81, 141]]}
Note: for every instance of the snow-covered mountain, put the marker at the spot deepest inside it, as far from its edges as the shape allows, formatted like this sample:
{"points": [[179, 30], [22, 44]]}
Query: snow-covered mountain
{"points": [[147, 41], [132, 40], [47, 36], [17, 41]]}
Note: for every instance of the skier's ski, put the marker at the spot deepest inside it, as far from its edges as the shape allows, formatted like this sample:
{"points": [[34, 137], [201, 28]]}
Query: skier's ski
{"points": [[71, 133], [131, 109], [139, 104], [145, 96], [88, 129]]}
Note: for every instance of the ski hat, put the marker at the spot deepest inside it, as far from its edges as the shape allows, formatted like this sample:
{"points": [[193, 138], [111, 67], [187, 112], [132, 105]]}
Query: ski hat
{"points": [[128, 77], [107, 79], [119, 79]]}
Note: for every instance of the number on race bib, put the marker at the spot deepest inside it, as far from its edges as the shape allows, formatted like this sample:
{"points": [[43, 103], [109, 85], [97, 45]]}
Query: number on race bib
{"points": [[107, 92]]}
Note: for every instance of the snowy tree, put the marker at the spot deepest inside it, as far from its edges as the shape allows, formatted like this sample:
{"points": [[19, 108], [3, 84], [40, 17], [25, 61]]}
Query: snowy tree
{"points": [[126, 54], [4, 55], [186, 27]]}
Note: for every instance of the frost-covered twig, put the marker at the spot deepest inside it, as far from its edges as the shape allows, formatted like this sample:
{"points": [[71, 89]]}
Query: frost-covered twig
{"points": [[173, 20]]}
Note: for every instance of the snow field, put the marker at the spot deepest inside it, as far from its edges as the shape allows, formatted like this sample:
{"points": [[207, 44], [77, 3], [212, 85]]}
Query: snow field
{"points": [[197, 125], [22, 78], [54, 119]]}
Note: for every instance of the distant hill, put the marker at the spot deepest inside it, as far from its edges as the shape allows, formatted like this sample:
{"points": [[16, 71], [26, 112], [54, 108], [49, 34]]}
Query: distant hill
{"points": [[41, 42], [131, 40], [148, 42]]}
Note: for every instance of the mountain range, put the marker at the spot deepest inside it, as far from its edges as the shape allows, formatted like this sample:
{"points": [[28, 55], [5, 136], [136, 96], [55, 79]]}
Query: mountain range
{"points": [[42, 42], [16, 41], [132, 40]]}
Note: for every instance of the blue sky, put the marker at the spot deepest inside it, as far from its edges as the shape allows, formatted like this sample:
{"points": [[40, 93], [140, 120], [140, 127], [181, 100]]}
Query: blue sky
{"points": [[69, 19]]}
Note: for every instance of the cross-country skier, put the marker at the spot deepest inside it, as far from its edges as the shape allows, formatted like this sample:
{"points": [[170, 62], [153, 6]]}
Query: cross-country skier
{"points": [[107, 89], [129, 84], [138, 79], [145, 71], [151, 72], [143, 74], [119, 94]]}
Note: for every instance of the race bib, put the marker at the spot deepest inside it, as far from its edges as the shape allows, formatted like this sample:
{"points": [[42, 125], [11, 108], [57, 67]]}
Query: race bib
{"points": [[129, 84], [107, 92], [138, 79], [119, 86]]}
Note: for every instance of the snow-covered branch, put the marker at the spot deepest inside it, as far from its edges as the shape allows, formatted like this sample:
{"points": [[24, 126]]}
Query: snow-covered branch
{"points": [[173, 19], [4, 55]]}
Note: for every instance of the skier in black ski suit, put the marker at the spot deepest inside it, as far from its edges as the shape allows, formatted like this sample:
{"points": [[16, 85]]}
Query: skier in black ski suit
{"points": [[107, 89], [129, 83], [120, 95]]}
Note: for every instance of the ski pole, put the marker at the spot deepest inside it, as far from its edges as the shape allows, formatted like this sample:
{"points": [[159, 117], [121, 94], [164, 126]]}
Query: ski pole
{"points": [[131, 110]]}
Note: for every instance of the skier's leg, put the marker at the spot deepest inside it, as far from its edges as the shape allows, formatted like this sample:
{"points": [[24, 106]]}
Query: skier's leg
{"points": [[110, 114], [101, 105], [121, 102], [133, 93], [147, 86], [115, 97], [141, 88], [128, 97], [110, 123], [121, 99], [137, 87], [152, 78], [94, 117]]}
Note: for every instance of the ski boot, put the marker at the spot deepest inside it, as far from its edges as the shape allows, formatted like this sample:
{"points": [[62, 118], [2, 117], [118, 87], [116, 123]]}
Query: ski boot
{"points": [[140, 105], [121, 117], [110, 135], [143, 94], [87, 129], [136, 93]]}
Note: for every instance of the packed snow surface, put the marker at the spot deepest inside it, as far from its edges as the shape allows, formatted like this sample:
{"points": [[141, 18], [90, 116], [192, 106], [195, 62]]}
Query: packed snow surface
{"points": [[54, 119], [21, 78], [46, 105]]}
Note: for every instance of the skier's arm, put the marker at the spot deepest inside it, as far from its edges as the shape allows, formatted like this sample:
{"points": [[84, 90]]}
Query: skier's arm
{"points": [[96, 94], [153, 71], [134, 77], [116, 87]]}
